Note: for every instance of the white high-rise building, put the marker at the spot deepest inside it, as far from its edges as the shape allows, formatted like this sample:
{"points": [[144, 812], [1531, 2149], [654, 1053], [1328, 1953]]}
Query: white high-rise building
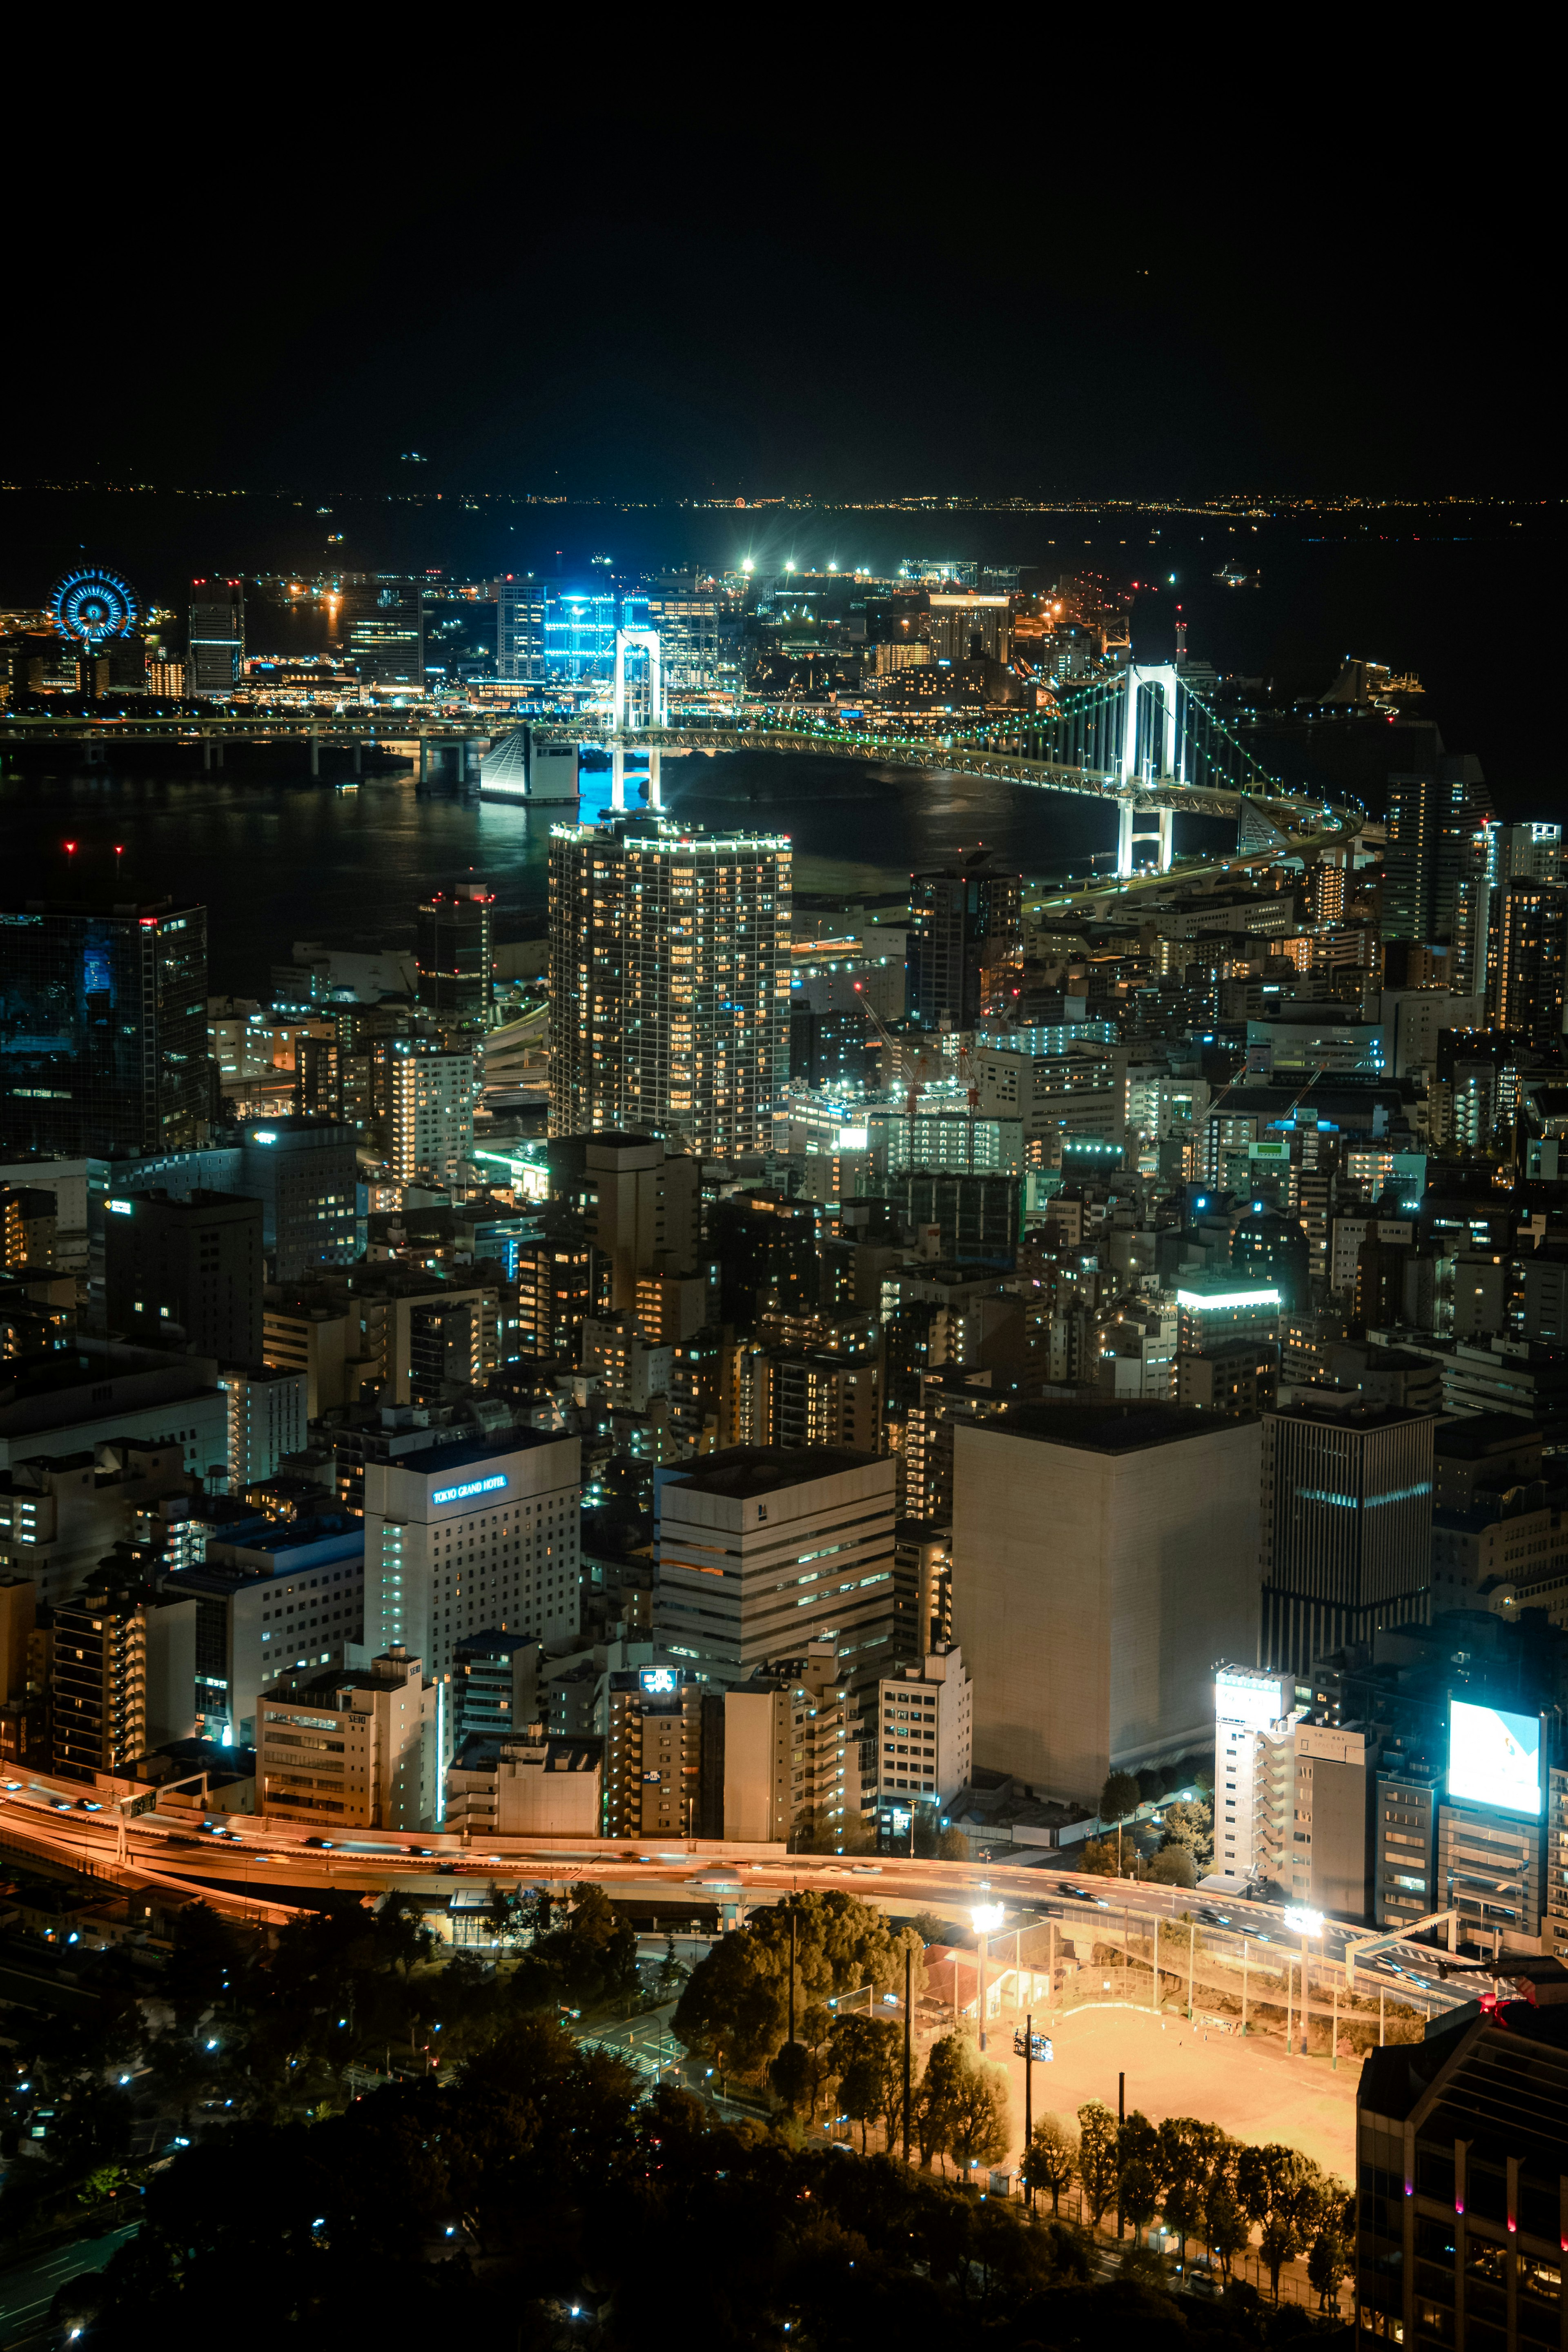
{"points": [[925, 1734], [669, 980], [1253, 1756], [268, 1418], [459, 1538], [430, 1122]]}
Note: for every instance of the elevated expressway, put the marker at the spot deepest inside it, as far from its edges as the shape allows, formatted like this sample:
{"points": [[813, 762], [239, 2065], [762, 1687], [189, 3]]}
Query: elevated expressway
{"points": [[269, 1871]]}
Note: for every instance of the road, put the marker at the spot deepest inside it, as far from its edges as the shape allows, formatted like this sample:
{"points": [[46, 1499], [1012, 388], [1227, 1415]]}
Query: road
{"points": [[28, 2291], [248, 1865]]}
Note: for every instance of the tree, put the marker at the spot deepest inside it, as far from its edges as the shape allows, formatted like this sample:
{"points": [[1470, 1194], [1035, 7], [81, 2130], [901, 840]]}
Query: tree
{"points": [[980, 2129], [205, 1959], [863, 2049], [1191, 1825], [734, 2010], [1097, 2157], [1119, 1797], [953, 1845], [1098, 1860], [672, 1972], [937, 2116], [1190, 2152], [1172, 1867], [401, 1938], [1276, 2245], [1137, 2193], [791, 2075], [1226, 2225], [1050, 2161], [1327, 2261]]}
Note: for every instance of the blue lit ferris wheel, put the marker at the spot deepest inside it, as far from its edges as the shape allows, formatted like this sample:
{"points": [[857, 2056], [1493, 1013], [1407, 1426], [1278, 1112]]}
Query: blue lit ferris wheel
{"points": [[93, 606]]}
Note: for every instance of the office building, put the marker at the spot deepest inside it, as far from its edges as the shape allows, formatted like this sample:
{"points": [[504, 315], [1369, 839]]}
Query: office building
{"points": [[1346, 1525], [103, 1028], [1525, 962], [492, 1678], [185, 1274], [268, 1418], [766, 1246], [1103, 1556], [304, 1172], [61, 1511], [924, 1737], [653, 1784], [383, 622], [579, 635], [761, 1551], [668, 982], [531, 1784], [465, 1536], [216, 660], [270, 1596], [350, 1749], [520, 628], [1438, 813], [641, 1206], [1407, 1796], [977, 1215], [792, 1746], [454, 950], [1459, 2197], [966, 942], [77, 1188]]}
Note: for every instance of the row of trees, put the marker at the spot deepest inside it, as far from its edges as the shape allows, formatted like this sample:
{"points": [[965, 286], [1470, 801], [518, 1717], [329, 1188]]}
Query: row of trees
{"points": [[1204, 2184]]}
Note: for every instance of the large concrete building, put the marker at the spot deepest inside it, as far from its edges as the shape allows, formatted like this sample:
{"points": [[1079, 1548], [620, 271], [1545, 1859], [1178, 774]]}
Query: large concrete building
{"points": [[1103, 1557], [763, 1550]]}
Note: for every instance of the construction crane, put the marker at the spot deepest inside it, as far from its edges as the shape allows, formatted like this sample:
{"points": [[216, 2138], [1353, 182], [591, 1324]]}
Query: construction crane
{"points": [[918, 1073]]}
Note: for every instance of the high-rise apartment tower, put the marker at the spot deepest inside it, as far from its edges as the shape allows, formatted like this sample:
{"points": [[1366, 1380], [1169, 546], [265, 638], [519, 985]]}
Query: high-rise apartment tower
{"points": [[670, 981]]}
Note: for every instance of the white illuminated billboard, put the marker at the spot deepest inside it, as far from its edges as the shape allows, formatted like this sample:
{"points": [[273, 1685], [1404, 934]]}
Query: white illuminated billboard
{"points": [[1494, 1758], [1241, 1695]]}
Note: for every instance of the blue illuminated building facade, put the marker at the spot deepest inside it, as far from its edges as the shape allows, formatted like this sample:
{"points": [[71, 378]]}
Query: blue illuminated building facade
{"points": [[103, 1028]]}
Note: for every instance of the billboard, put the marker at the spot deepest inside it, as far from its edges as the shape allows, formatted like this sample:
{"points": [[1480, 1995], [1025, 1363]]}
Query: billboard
{"points": [[1242, 1694], [1494, 1757]]}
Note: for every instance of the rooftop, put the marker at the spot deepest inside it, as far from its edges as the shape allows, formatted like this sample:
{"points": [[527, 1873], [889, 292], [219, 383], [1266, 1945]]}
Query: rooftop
{"points": [[745, 1470], [1114, 1428]]}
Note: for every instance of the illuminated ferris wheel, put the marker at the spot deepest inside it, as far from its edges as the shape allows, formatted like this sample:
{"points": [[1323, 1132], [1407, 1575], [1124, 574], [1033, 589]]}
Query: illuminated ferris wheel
{"points": [[93, 606]]}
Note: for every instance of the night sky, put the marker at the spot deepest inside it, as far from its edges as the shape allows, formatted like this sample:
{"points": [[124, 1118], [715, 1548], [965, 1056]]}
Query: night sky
{"points": [[985, 260]]}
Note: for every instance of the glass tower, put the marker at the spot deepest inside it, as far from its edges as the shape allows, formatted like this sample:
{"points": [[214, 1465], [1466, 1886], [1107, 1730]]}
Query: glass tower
{"points": [[103, 1028]]}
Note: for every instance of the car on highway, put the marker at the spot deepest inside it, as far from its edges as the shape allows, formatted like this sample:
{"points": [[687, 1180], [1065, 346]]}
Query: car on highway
{"points": [[324, 1844], [866, 1870]]}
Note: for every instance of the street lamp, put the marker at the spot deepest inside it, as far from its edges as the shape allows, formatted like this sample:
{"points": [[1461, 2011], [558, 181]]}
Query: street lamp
{"points": [[1305, 1923], [987, 1917]]}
